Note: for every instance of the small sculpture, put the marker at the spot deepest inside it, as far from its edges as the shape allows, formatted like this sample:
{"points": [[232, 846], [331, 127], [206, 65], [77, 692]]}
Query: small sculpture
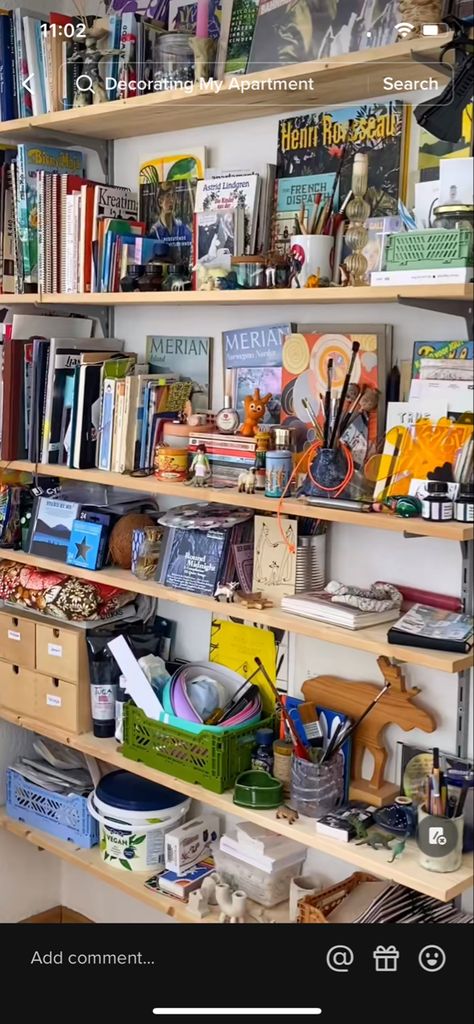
{"points": [[200, 467], [376, 840], [197, 903], [397, 850], [287, 813], [208, 888], [246, 480], [254, 408], [93, 88], [231, 904], [255, 600], [225, 590]]}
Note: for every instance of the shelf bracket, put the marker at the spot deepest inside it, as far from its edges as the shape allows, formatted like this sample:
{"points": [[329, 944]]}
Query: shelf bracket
{"points": [[98, 146], [451, 307], [464, 678]]}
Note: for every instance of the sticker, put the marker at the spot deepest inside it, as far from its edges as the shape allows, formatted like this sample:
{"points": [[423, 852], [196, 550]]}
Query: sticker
{"points": [[52, 701], [13, 634], [55, 650]]}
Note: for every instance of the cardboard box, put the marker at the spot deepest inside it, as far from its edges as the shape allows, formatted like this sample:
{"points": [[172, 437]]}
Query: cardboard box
{"points": [[189, 844], [17, 640]]}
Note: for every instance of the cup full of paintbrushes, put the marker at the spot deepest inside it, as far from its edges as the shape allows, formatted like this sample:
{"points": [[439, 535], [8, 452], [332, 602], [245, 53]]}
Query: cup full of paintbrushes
{"points": [[313, 254], [316, 787]]}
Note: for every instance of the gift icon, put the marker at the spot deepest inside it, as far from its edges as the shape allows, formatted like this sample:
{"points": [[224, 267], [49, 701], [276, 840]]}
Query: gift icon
{"points": [[386, 958]]}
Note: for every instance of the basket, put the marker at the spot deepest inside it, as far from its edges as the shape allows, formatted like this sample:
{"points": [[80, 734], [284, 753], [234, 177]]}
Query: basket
{"points": [[426, 250], [66, 817], [211, 759], [314, 909]]}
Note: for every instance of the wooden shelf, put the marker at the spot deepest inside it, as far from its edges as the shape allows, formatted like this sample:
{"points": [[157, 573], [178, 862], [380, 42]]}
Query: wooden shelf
{"points": [[405, 870], [373, 640], [327, 82], [230, 496], [253, 296]]}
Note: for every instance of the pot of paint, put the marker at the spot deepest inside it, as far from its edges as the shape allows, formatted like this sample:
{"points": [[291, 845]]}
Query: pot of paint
{"points": [[134, 816], [171, 463], [278, 468]]}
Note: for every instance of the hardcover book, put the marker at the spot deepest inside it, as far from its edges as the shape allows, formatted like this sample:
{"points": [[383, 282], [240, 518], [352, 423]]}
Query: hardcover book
{"points": [[51, 527], [291, 194], [187, 358], [167, 210], [242, 27], [290, 33], [253, 359], [311, 144], [192, 560], [225, 192]]}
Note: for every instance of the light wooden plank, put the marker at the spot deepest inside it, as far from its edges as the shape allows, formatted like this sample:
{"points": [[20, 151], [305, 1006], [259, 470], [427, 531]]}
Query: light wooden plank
{"points": [[230, 496], [373, 640], [404, 870], [318, 83]]}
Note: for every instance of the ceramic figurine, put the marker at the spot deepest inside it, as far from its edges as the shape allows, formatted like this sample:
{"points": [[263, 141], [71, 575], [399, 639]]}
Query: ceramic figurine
{"points": [[200, 467], [208, 888], [197, 903], [91, 59], [231, 904], [225, 590], [254, 408], [246, 481]]}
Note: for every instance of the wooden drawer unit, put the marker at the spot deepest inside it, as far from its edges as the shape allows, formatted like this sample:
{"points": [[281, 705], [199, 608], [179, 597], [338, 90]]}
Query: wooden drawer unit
{"points": [[54, 701], [61, 652], [18, 640]]}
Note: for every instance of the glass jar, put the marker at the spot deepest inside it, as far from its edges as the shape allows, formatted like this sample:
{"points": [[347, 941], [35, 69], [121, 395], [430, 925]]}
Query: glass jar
{"points": [[262, 754], [464, 504], [282, 439], [175, 59], [437, 505], [263, 441], [453, 217], [317, 788]]}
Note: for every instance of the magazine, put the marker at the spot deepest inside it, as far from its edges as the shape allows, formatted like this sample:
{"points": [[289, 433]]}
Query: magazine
{"points": [[188, 358], [434, 625]]}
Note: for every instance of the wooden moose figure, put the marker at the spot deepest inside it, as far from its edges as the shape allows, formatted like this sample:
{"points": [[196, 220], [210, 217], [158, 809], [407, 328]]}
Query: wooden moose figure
{"points": [[396, 706]]}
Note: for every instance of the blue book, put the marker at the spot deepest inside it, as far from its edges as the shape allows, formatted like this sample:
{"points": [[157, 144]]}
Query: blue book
{"points": [[107, 424], [8, 91], [86, 546]]}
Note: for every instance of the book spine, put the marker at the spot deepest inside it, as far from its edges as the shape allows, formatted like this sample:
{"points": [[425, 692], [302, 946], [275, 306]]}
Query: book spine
{"points": [[69, 284], [8, 98], [41, 262], [107, 424], [119, 425], [29, 28], [25, 97]]}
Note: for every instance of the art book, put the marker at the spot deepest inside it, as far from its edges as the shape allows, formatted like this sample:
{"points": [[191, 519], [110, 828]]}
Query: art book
{"points": [[440, 630], [253, 359], [305, 359], [32, 159], [241, 30], [291, 194], [439, 350], [192, 560], [188, 358], [183, 13], [274, 568], [236, 646], [218, 235], [226, 191], [167, 209], [183, 166], [290, 33], [311, 144]]}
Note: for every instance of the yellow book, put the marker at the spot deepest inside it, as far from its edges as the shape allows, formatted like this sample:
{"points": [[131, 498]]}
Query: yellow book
{"points": [[236, 646]]}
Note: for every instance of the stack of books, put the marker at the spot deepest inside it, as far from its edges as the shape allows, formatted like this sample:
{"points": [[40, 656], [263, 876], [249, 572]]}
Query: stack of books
{"points": [[228, 454], [318, 605]]}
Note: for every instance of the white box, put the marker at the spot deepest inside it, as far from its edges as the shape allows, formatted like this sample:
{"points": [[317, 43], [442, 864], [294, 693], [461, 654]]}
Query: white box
{"points": [[455, 181], [188, 844]]}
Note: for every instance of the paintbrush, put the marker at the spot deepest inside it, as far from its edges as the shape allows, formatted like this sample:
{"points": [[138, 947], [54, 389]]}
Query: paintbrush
{"points": [[310, 722], [298, 747], [314, 218], [342, 399], [349, 727], [312, 417], [327, 403]]}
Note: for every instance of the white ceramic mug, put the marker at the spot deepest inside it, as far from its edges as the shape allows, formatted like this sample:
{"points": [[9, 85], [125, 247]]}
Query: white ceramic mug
{"points": [[301, 885], [314, 253], [440, 832]]}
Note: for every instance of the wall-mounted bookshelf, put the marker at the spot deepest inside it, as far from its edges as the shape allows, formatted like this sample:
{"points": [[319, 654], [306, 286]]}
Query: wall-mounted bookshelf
{"points": [[331, 81], [230, 496], [373, 639]]}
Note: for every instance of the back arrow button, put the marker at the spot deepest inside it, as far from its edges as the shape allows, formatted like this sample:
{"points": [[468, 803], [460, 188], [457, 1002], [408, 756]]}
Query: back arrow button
{"points": [[25, 83]]}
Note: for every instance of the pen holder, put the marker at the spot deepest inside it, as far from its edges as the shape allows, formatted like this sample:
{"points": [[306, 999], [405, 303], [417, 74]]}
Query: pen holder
{"points": [[316, 788], [313, 259], [439, 841], [329, 473]]}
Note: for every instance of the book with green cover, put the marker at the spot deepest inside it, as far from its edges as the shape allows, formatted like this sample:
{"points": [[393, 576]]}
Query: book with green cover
{"points": [[31, 159], [242, 27]]}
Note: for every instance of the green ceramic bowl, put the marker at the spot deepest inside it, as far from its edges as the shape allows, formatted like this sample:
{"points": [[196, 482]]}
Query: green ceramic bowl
{"points": [[257, 789]]}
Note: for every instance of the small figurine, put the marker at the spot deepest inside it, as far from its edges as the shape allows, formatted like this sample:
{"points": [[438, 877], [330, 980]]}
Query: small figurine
{"points": [[200, 467], [254, 408], [246, 480], [297, 259], [92, 56], [313, 280], [287, 813], [232, 904], [225, 590], [270, 276], [397, 850], [256, 600], [377, 841], [197, 904]]}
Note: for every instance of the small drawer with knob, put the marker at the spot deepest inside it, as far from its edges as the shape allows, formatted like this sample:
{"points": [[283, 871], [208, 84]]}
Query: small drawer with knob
{"points": [[18, 640]]}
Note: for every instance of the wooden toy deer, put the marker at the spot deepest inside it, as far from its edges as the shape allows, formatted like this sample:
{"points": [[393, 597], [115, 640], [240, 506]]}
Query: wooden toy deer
{"points": [[396, 707]]}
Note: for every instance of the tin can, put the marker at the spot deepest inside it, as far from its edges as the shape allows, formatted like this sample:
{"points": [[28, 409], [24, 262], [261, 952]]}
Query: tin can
{"points": [[278, 467], [171, 463]]}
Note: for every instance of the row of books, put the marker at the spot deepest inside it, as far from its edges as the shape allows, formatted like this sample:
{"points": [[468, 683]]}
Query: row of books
{"points": [[251, 35]]}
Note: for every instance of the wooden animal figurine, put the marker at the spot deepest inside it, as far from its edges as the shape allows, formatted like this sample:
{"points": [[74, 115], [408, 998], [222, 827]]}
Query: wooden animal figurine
{"points": [[255, 600], [254, 408], [287, 813], [246, 481], [396, 706], [225, 590]]}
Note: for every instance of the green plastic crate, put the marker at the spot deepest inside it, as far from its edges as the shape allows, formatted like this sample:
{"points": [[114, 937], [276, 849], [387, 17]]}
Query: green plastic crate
{"points": [[211, 759], [429, 250]]}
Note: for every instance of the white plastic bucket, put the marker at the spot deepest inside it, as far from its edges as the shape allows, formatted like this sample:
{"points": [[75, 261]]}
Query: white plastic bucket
{"points": [[134, 840]]}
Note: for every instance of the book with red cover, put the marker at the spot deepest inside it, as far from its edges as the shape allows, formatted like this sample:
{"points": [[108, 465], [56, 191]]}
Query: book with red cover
{"points": [[13, 398]]}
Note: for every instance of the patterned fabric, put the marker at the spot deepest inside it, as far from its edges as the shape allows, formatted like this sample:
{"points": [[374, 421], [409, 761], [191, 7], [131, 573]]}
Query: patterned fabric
{"points": [[54, 593]]}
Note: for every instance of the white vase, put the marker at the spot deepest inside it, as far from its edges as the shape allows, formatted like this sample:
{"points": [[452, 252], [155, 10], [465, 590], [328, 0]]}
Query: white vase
{"points": [[301, 885]]}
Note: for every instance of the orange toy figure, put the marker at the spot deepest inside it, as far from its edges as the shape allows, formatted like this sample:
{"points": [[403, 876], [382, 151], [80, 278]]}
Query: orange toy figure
{"points": [[254, 407]]}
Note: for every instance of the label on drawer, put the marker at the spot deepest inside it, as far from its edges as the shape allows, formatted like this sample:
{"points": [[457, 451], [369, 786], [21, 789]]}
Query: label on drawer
{"points": [[13, 634], [55, 650], [52, 701]]}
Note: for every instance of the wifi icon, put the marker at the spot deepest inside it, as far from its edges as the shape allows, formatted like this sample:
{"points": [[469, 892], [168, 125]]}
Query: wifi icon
{"points": [[404, 29]]}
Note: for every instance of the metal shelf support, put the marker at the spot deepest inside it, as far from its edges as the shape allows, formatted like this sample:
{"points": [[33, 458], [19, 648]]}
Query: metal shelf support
{"points": [[464, 678], [451, 307]]}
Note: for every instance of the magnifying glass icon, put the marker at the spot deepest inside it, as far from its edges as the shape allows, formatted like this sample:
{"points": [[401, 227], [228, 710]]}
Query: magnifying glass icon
{"points": [[84, 83]]}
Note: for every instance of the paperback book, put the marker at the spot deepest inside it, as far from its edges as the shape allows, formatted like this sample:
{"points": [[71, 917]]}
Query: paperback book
{"points": [[253, 359], [187, 358], [192, 559], [435, 350], [228, 191], [51, 526], [239, 41], [440, 630]]}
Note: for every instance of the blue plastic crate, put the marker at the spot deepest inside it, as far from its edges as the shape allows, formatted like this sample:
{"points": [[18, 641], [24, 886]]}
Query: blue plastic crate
{"points": [[61, 816]]}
